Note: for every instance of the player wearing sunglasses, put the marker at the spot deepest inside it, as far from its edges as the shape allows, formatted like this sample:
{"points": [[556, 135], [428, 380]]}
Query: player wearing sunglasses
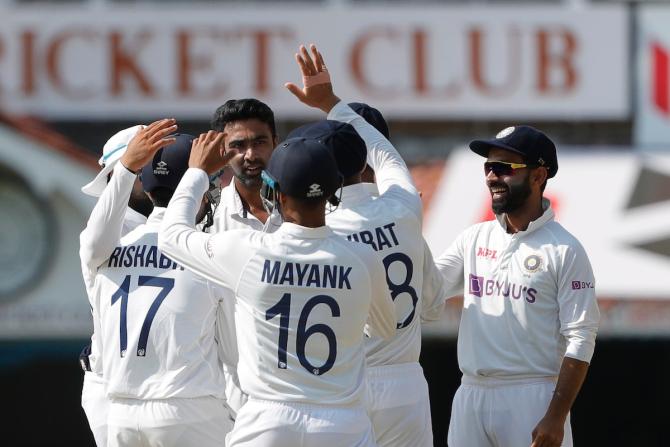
{"points": [[530, 315]]}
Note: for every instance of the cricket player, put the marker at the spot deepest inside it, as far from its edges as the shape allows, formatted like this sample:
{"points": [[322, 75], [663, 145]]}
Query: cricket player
{"points": [[157, 320], [391, 224], [304, 298], [251, 135], [530, 315], [93, 398]]}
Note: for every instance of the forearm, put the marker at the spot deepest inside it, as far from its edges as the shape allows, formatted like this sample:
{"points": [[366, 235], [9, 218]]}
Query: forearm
{"points": [[103, 229], [570, 380]]}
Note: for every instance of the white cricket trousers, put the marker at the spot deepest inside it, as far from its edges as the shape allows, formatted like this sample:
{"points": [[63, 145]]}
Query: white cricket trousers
{"points": [[174, 422], [96, 406], [262, 423], [399, 405], [500, 412]]}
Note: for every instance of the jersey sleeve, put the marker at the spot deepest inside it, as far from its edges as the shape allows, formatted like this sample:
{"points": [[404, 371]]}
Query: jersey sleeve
{"points": [[578, 309], [199, 252], [433, 292], [393, 176], [104, 227], [450, 264]]}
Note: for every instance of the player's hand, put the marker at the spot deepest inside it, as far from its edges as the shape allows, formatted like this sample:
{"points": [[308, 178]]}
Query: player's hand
{"points": [[317, 90], [548, 432], [147, 142], [208, 152]]}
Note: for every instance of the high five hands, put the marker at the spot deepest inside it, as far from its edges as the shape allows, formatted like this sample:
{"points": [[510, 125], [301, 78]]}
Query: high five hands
{"points": [[208, 152], [317, 90], [147, 142]]}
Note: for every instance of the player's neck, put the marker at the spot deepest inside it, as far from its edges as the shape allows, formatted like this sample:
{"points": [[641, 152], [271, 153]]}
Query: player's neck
{"points": [[519, 219], [251, 200], [310, 217]]}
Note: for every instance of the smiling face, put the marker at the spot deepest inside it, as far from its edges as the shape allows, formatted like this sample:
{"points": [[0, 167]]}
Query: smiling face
{"points": [[509, 192], [253, 140]]}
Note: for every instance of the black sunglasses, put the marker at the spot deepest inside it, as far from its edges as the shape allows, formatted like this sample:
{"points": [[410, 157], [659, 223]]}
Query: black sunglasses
{"points": [[500, 168]]}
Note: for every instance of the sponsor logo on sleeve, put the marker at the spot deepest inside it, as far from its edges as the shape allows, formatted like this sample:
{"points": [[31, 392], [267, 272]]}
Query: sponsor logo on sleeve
{"points": [[578, 285]]}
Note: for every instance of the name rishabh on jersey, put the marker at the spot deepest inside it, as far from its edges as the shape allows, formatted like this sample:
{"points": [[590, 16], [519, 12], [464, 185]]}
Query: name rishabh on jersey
{"points": [[304, 296], [157, 322]]}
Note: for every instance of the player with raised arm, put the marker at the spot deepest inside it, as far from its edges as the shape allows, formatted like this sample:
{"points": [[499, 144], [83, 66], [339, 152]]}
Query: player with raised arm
{"points": [[157, 320], [251, 135], [304, 298], [391, 224], [93, 396], [530, 315]]}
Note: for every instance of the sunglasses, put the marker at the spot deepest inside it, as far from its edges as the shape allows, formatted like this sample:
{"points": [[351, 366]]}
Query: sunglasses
{"points": [[500, 168]]}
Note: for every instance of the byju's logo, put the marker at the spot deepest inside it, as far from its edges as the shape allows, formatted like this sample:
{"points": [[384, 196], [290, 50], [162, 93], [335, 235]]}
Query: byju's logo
{"points": [[476, 285], [577, 285], [482, 287]]}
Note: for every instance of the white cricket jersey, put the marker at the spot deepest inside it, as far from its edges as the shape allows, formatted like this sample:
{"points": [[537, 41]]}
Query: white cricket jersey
{"points": [[99, 238], [157, 322], [391, 225], [304, 296], [529, 298], [231, 215]]}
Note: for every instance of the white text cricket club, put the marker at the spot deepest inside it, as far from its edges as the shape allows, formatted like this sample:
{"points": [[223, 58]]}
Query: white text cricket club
{"points": [[306, 275], [141, 256], [379, 239], [481, 287]]}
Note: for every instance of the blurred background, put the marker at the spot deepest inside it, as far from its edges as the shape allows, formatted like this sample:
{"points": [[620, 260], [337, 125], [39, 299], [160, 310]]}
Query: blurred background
{"points": [[594, 75]]}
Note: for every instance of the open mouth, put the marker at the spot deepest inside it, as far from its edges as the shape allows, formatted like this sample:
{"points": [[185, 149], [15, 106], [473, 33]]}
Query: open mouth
{"points": [[253, 170], [498, 192]]}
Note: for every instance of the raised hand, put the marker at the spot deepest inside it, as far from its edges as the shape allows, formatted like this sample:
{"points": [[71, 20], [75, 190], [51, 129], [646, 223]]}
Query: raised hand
{"points": [[317, 90], [208, 152], [147, 142]]}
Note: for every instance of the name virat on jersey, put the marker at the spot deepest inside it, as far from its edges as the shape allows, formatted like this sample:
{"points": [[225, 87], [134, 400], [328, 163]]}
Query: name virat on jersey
{"points": [[306, 275]]}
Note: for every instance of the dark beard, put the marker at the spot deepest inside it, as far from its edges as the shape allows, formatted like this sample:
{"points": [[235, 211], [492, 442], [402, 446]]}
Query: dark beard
{"points": [[141, 203], [248, 181], [515, 199]]}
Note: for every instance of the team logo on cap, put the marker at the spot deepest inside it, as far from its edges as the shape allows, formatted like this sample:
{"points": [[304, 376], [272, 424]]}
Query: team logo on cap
{"points": [[161, 168], [532, 263], [314, 190], [506, 131]]}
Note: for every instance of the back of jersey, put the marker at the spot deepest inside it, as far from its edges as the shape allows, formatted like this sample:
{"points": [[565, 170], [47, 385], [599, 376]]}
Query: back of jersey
{"points": [[394, 233], [157, 322], [303, 302]]}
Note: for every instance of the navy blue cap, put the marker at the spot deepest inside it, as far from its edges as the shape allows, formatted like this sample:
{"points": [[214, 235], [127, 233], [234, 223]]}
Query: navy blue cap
{"points": [[168, 165], [372, 116], [304, 168], [347, 146], [533, 145]]}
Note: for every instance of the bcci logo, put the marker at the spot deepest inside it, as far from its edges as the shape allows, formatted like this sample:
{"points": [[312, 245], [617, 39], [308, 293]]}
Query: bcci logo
{"points": [[503, 133], [314, 190], [161, 168], [532, 263]]}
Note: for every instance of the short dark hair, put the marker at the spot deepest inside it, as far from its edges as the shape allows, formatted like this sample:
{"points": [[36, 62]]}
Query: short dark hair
{"points": [[242, 110], [161, 196]]}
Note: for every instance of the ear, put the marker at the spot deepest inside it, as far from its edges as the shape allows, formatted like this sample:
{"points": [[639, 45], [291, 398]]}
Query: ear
{"points": [[539, 175]]}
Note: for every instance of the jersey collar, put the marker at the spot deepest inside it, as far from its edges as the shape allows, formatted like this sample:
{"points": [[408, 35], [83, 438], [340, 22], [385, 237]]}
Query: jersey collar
{"points": [[360, 192], [299, 232], [534, 225], [156, 216]]}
